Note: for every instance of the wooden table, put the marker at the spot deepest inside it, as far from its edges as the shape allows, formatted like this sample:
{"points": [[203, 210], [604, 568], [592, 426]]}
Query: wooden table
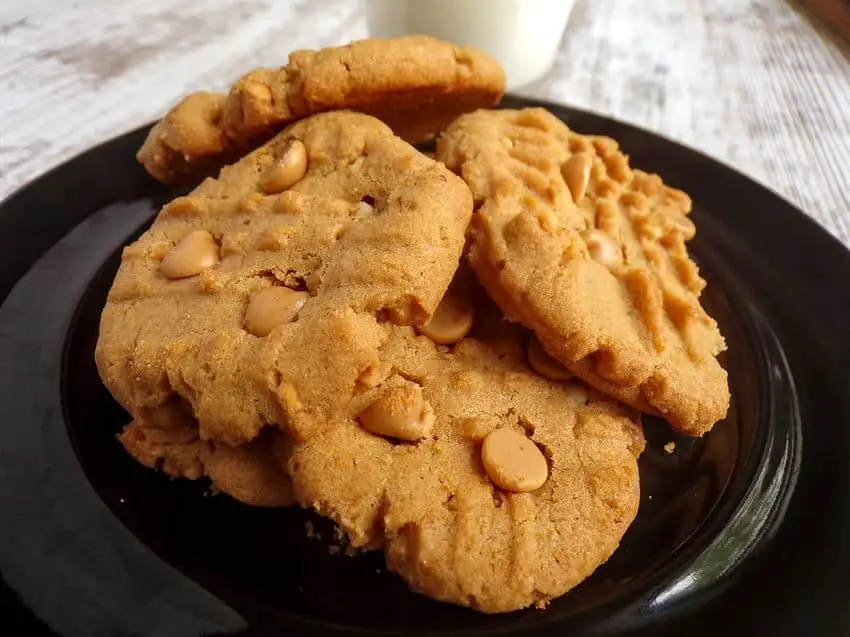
{"points": [[754, 83]]}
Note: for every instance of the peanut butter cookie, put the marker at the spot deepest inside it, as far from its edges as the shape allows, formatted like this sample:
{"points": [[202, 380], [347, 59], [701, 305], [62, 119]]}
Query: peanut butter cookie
{"points": [[265, 296], [485, 484], [415, 84], [166, 438], [190, 140], [589, 253], [250, 473]]}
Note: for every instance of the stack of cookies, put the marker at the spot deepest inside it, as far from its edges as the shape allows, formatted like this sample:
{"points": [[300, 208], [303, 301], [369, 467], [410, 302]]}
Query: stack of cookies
{"points": [[448, 355]]}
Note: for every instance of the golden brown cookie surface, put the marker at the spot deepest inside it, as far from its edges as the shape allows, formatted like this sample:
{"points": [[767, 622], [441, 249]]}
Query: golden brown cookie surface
{"points": [[518, 491], [368, 237], [415, 84], [590, 254]]}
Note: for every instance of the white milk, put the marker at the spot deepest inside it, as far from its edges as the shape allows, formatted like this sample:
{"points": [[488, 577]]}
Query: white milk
{"points": [[522, 34]]}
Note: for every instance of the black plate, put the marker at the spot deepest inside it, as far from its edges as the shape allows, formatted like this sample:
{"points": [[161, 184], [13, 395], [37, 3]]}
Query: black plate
{"points": [[746, 530]]}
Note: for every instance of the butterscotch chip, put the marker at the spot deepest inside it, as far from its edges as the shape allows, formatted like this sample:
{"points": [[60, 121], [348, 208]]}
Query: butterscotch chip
{"points": [[513, 462], [601, 248], [415, 84], [288, 395], [196, 252], [633, 329], [196, 337], [287, 170], [275, 238], [365, 210], [576, 173], [544, 364], [452, 320], [272, 307], [400, 413]]}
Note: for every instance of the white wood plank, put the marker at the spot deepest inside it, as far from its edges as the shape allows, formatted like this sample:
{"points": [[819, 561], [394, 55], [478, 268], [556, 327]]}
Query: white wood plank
{"points": [[753, 83]]}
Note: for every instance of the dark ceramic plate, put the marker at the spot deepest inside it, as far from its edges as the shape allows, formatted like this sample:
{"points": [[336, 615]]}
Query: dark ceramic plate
{"points": [[746, 531]]}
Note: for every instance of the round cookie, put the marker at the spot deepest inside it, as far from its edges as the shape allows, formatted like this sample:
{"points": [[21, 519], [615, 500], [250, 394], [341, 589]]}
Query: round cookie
{"points": [[415, 84], [253, 473], [519, 488], [366, 234], [590, 254]]}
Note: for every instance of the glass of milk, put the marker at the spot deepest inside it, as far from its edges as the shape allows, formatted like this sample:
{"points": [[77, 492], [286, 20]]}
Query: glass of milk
{"points": [[523, 35]]}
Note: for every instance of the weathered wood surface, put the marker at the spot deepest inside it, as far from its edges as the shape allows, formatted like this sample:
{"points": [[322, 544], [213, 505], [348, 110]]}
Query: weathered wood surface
{"points": [[754, 83]]}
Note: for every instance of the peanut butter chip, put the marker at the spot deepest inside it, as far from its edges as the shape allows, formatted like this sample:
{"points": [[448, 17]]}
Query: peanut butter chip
{"points": [[364, 210], [576, 173], [452, 320], [288, 170], [601, 247], [513, 462], [271, 307], [401, 413], [544, 364], [196, 252]]}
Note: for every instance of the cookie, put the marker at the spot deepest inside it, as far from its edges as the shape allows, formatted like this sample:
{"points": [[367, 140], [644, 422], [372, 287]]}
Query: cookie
{"points": [[264, 296], [484, 483], [590, 254], [252, 473], [189, 140], [416, 84]]}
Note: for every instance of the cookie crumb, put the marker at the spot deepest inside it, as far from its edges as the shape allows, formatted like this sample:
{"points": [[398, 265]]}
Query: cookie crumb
{"points": [[312, 533], [670, 447]]}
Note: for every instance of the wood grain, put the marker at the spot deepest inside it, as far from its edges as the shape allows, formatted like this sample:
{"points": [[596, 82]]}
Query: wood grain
{"points": [[753, 83]]}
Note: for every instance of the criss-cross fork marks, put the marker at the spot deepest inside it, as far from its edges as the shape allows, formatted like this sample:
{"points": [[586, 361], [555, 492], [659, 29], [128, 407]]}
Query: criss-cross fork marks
{"points": [[644, 217], [348, 239], [590, 254], [649, 221]]}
